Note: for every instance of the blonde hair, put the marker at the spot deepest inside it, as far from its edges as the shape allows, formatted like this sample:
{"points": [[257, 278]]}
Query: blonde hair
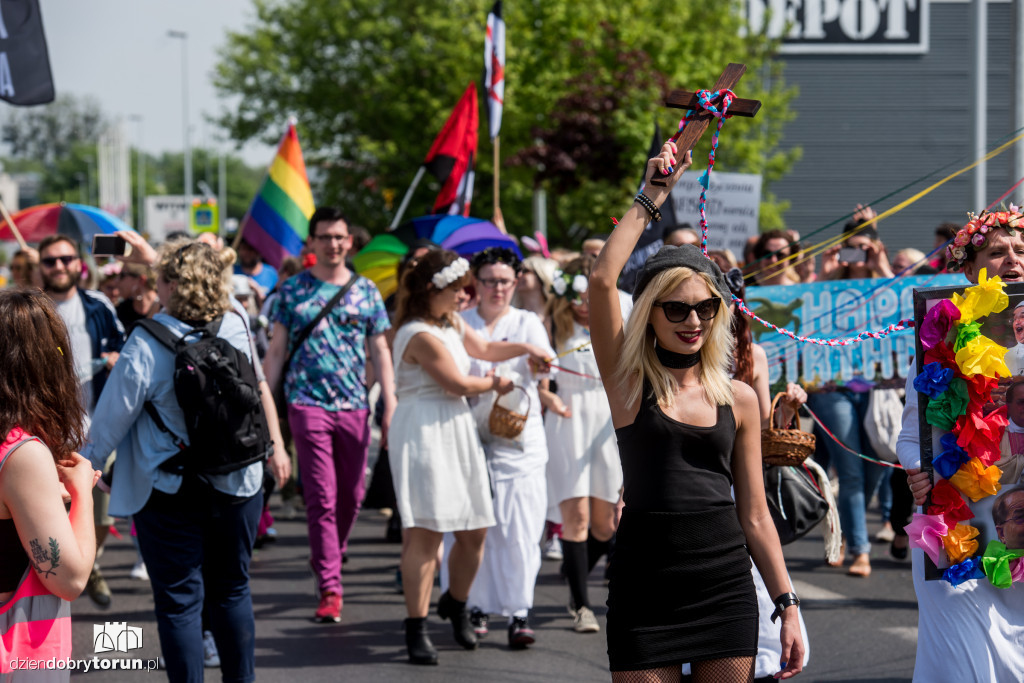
{"points": [[203, 277], [559, 308], [640, 362]]}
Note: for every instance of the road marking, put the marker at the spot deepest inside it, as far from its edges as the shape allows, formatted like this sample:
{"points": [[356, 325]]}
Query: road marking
{"points": [[808, 591], [908, 633]]}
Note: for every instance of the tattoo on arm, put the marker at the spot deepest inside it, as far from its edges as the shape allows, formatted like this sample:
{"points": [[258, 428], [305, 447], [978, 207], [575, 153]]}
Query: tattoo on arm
{"points": [[40, 557]]}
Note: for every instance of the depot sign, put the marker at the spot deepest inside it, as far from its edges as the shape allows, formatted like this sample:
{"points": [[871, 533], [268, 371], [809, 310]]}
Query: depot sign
{"points": [[842, 26]]}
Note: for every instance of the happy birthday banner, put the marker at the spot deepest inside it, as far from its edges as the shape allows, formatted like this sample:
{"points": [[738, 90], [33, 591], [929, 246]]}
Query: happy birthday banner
{"points": [[839, 308]]}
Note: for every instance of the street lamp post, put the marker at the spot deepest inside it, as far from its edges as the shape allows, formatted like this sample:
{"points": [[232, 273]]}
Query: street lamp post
{"points": [[140, 172], [184, 114]]}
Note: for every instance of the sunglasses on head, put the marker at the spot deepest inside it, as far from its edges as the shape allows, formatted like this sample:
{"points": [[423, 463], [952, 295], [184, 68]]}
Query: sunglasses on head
{"points": [[51, 261], [679, 311]]}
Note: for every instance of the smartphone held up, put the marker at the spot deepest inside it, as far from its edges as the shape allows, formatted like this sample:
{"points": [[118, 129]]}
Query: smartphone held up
{"points": [[110, 245]]}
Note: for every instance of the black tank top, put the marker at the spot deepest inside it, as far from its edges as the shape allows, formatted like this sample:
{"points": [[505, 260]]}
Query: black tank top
{"points": [[14, 561], [668, 466]]}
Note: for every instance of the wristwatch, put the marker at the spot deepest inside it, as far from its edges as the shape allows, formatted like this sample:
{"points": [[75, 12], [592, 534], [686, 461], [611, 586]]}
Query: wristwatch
{"points": [[782, 602]]}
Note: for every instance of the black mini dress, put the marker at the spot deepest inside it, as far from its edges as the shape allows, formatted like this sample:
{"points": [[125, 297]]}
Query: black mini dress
{"points": [[680, 588]]}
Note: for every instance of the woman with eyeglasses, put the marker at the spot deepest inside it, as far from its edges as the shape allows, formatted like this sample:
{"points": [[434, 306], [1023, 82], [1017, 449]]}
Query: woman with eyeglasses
{"points": [[584, 475], [680, 588], [505, 582]]}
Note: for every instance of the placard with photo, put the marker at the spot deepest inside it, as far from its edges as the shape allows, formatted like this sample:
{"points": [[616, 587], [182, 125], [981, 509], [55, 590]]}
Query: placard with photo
{"points": [[964, 437]]}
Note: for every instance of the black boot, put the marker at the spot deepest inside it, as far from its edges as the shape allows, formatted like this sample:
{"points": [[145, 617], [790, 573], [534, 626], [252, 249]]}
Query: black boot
{"points": [[450, 608], [421, 650]]}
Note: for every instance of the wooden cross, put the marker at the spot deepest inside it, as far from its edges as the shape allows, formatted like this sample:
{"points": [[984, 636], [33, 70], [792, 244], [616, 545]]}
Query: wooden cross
{"points": [[683, 99]]}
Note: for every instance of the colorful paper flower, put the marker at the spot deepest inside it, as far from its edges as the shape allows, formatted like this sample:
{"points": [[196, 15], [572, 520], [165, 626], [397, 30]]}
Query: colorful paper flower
{"points": [[967, 570], [959, 542], [979, 389], [949, 460], [965, 332], [947, 502], [1017, 569], [980, 434], [983, 298], [937, 323], [941, 354], [926, 532], [934, 380], [982, 356], [996, 563], [976, 481], [945, 410]]}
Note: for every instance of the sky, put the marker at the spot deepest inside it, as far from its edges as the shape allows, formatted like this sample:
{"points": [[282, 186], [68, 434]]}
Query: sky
{"points": [[119, 52]]}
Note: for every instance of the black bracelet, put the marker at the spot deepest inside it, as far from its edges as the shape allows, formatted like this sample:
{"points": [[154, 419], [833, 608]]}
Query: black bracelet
{"points": [[652, 208], [782, 602]]}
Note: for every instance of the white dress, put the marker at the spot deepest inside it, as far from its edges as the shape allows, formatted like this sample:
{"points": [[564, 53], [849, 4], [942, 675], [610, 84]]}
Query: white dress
{"points": [[971, 632], [437, 462], [583, 457]]}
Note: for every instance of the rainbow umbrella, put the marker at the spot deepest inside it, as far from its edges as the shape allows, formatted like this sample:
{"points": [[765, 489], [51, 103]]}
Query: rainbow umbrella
{"points": [[461, 234], [77, 221], [379, 260]]}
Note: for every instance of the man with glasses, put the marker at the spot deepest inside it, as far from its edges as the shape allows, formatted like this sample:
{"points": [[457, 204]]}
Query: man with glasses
{"points": [[1008, 515], [96, 337], [324, 377]]}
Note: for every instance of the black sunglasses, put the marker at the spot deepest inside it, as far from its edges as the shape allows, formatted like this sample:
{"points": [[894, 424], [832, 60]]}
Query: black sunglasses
{"points": [[51, 261], [679, 311]]}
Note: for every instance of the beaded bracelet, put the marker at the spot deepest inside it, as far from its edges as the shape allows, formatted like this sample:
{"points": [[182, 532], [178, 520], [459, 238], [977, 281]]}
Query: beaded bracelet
{"points": [[652, 208]]}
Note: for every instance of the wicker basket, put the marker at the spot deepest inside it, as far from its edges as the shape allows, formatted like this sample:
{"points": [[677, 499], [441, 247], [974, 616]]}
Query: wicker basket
{"points": [[506, 423], [788, 446]]}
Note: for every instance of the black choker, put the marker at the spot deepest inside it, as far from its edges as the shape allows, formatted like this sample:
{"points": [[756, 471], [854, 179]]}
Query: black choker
{"points": [[676, 361]]}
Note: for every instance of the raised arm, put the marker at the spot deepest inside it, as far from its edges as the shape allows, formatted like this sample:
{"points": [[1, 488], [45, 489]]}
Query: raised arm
{"points": [[606, 330]]}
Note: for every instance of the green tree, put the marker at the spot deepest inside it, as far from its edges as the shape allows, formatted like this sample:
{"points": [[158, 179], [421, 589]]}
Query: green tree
{"points": [[372, 81], [165, 175]]}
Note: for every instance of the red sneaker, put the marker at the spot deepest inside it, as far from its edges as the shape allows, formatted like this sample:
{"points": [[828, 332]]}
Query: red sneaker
{"points": [[329, 611]]}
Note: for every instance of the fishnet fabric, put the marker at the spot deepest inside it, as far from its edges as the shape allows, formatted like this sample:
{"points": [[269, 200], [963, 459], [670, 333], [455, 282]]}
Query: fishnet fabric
{"points": [[725, 670], [666, 674]]}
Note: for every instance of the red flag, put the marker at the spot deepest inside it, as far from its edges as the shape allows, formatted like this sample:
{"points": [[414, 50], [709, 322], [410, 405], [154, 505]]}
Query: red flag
{"points": [[494, 68], [452, 156]]}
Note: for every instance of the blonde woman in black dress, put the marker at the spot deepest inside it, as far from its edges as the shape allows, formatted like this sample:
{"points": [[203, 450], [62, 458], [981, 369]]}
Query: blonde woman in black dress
{"points": [[680, 587]]}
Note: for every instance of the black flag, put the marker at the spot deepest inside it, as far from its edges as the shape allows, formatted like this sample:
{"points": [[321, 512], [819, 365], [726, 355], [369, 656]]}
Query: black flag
{"points": [[25, 76], [651, 241]]}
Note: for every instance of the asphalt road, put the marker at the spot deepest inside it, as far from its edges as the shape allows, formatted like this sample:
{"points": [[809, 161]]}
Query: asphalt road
{"points": [[860, 629]]}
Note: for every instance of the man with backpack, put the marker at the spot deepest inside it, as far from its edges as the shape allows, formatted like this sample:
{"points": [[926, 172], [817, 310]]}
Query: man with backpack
{"points": [[325, 322]]}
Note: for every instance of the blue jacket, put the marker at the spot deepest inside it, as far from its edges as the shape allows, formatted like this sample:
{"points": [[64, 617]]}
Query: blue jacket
{"points": [[105, 331]]}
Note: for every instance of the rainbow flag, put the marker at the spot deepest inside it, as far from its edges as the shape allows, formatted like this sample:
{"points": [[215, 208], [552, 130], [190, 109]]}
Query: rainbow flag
{"points": [[277, 223]]}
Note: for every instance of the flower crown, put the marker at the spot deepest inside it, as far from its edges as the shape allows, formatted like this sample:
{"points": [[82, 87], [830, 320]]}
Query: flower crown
{"points": [[974, 235], [569, 285], [453, 272]]}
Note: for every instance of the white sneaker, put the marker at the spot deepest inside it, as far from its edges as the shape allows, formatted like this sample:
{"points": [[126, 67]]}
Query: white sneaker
{"points": [[211, 659], [552, 550], [139, 571], [584, 621]]}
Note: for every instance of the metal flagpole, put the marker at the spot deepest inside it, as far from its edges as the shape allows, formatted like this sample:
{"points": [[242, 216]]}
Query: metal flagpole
{"points": [[407, 198]]}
